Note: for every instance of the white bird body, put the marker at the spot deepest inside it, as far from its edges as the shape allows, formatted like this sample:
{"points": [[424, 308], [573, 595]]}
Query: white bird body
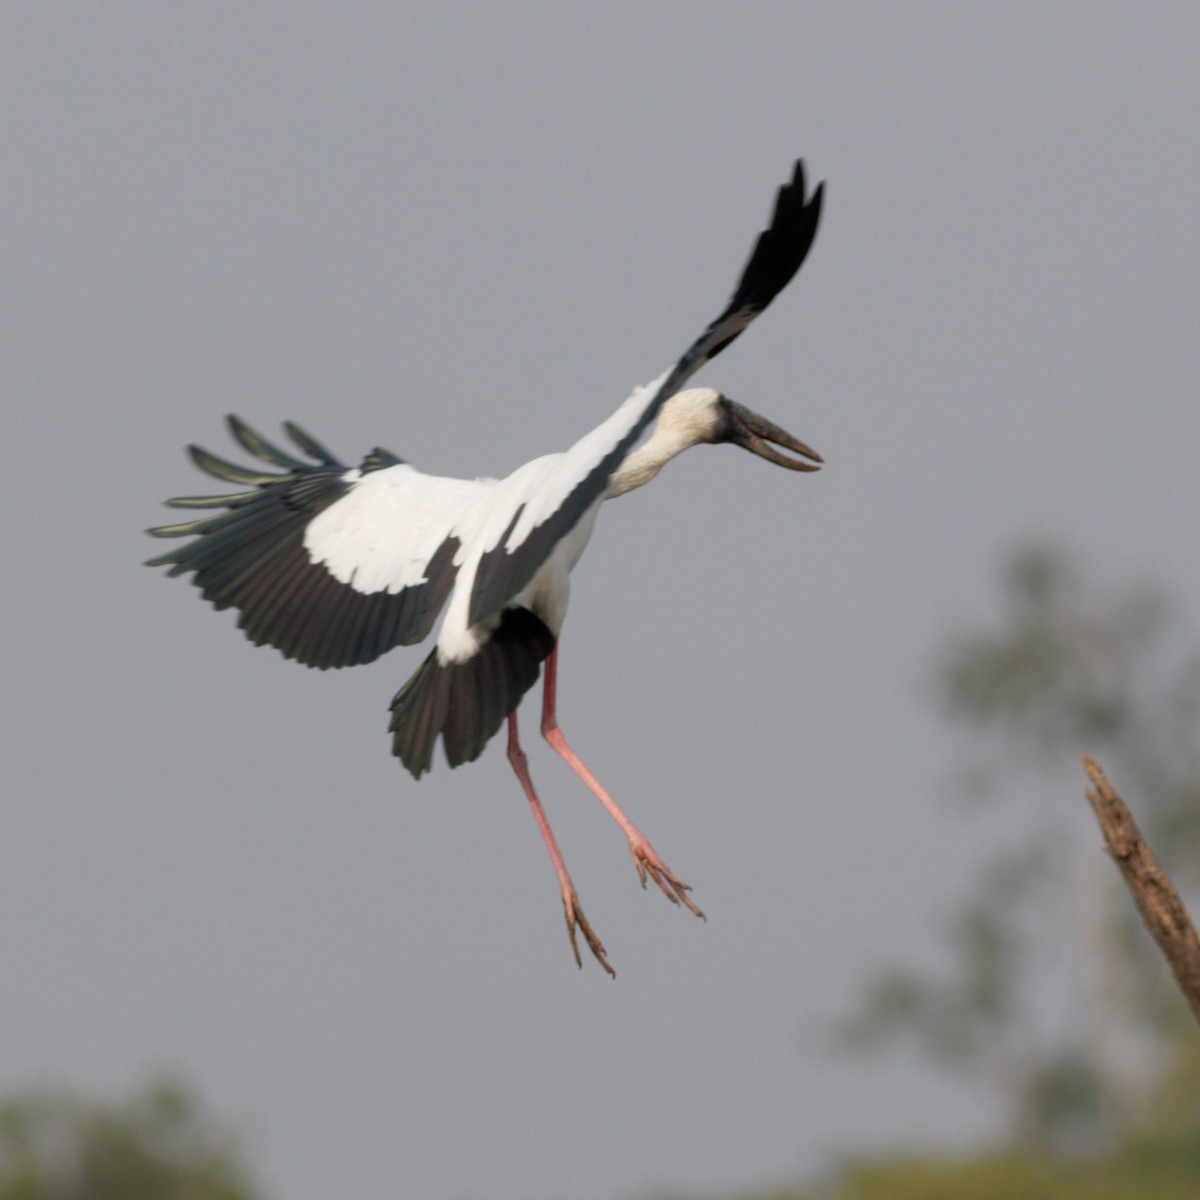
{"points": [[335, 566], [382, 533]]}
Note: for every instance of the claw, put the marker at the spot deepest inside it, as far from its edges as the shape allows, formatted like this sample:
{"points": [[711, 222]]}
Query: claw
{"points": [[648, 863], [573, 912]]}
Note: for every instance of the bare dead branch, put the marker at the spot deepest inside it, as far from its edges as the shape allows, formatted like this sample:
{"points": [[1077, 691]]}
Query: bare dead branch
{"points": [[1157, 901]]}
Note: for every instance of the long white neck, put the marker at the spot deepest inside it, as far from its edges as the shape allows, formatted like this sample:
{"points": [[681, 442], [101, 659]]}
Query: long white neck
{"points": [[641, 465], [687, 419]]}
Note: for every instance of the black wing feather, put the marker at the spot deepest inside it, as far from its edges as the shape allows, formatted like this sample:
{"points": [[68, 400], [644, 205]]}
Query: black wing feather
{"points": [[777, 256], [309, 444], [258, 445], [252, 557]]}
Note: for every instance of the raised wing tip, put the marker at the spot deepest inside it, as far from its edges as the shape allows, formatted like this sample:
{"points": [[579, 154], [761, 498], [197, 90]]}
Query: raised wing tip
{"points": [[817, 199], [781, 248], [794, 200], [799, 177]]}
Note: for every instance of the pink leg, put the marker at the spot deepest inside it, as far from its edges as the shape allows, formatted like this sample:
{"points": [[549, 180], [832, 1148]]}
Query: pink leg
{"points": [[645, 859], [571, 907]]}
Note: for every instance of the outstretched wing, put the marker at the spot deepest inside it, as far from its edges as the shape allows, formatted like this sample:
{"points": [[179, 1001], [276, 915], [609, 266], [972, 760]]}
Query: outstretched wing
{"points": [[538, 525], [331, 565]]}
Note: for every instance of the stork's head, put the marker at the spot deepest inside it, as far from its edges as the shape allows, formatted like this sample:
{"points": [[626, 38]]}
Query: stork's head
{"points": [[701, 415], [704, 415]]}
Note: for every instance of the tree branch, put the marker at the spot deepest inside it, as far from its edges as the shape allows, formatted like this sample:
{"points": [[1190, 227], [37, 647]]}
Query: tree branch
{"points": [[1157, 901]]}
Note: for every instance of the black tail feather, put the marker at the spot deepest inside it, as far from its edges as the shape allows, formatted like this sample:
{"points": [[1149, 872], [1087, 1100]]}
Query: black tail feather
{"points": [[467, 702]]}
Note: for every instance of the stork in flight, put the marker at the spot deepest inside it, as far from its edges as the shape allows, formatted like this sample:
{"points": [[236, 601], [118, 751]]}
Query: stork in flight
{"points": [[335, 565]]}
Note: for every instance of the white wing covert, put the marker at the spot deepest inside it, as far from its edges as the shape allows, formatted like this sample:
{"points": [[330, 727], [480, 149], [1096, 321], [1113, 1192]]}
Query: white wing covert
{"points": [[333, 566]]}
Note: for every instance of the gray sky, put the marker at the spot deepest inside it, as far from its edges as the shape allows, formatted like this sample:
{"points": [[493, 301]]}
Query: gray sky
{"points": [[465, 234]]}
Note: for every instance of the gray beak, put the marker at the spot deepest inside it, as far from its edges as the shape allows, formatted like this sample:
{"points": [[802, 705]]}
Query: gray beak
{"points": [[752, 432]]}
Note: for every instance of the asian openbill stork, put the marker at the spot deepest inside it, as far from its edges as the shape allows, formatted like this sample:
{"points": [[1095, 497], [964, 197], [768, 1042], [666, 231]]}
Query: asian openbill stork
{"points": [[334, 565]]}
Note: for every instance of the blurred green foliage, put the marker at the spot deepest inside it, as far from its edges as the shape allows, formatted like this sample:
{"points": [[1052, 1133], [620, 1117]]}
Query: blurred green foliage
{"points": [[1160, 1168], [1145, 1171], [1049, 994], [156, 1145]]}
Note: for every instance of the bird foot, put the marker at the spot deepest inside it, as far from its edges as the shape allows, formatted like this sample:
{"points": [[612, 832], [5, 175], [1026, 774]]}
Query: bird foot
{"points": [[648, 863], [573, 911]]}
